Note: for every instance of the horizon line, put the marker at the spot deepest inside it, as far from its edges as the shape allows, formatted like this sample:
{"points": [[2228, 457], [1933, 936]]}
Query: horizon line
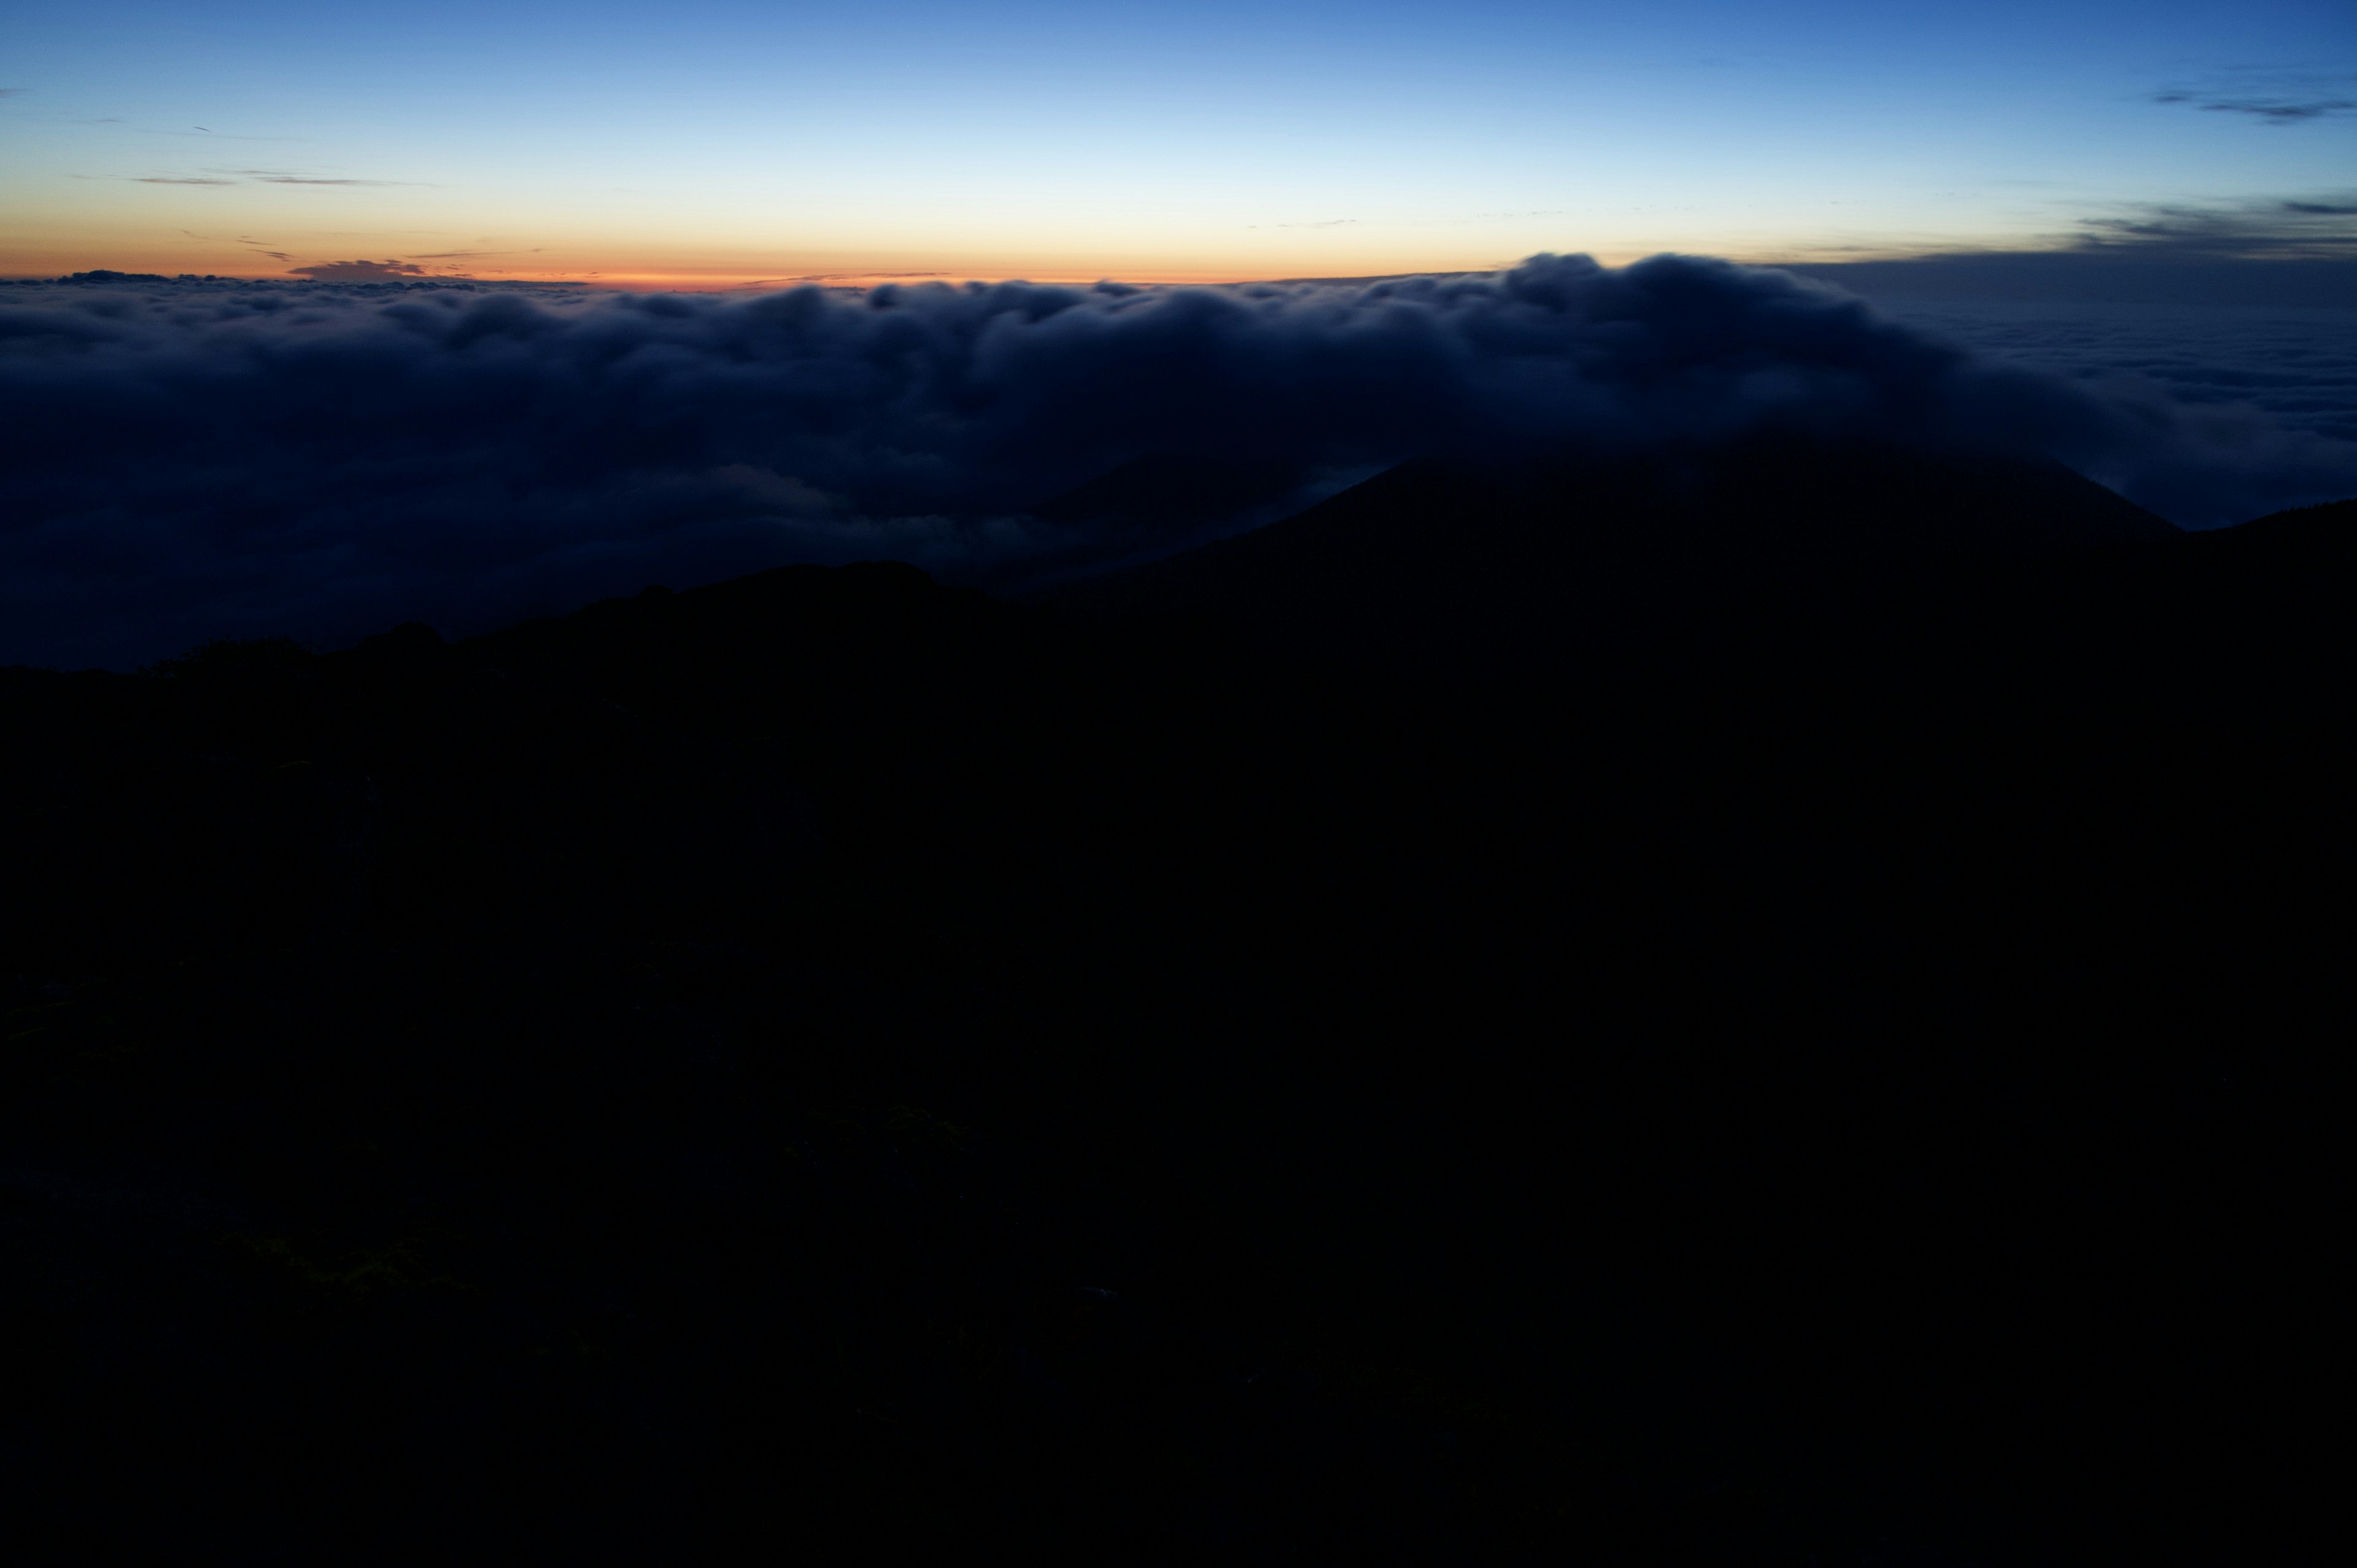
{"points": [[863, 282]]}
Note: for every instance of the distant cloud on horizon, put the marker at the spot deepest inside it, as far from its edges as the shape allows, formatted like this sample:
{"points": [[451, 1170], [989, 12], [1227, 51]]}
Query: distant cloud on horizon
{"points": [[2323, 225], [357, 272], [2274, 251], [838, 277]]}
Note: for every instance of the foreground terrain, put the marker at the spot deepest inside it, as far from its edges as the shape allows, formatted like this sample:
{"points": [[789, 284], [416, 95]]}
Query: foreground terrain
{"points": [[829, 1062]]}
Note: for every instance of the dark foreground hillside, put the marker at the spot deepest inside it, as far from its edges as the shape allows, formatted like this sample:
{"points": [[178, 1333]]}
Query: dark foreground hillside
{"points": [[829, 1064]]}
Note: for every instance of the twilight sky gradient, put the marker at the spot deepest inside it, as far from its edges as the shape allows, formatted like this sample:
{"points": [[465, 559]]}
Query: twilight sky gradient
{"points": [[716, 142]]}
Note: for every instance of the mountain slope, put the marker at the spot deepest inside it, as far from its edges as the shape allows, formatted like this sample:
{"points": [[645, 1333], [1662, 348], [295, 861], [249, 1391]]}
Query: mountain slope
{"points": [[1448, 558], [833, 1063]]}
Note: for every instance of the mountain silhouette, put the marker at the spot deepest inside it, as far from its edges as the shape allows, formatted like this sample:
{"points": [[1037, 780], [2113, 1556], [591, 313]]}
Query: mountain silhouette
{"points": [[1144, 508], [1454, 558], [831, 1061], [1171, 491]]}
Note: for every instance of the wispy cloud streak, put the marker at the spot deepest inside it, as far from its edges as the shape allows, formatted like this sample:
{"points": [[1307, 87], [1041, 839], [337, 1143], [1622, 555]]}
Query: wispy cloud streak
{"points": [[2273, 98]]}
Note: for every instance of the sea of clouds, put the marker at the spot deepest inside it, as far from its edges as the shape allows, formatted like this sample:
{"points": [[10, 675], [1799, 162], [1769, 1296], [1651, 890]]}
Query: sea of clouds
{"points": [[2296, 366], [197, 459]]}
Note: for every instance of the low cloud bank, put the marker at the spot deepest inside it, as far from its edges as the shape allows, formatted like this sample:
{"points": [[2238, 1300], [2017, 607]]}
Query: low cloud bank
{"points": [[360, 272], [185, 460], [2269, 254], [2297, 366]]}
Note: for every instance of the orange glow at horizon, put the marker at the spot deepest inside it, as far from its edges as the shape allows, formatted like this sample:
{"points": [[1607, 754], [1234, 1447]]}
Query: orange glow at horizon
{"points": [[593, 263], [722, 279], [71, 248], [260, 237]]}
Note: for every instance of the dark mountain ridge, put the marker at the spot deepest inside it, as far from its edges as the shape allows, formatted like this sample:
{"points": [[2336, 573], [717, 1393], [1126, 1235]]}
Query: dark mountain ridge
{"points": [[826, 1061], [1450, 558], [1171, 491]]}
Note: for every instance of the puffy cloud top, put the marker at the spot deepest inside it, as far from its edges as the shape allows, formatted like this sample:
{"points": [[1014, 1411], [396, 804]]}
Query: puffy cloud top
{"points": [[194, 459]]}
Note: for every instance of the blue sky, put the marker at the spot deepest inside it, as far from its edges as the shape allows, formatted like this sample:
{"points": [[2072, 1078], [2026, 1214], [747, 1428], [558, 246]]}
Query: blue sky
{"points": [[727, 143]]}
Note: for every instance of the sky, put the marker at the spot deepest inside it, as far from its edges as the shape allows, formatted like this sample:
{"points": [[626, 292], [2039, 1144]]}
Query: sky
{"points": [[714, 143]]}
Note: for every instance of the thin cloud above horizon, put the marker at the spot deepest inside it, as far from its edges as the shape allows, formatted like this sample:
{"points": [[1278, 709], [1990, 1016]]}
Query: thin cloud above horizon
{"points": [[2280, 227], [2273, 98], [386, 271], [284, 176], [237, 177]]}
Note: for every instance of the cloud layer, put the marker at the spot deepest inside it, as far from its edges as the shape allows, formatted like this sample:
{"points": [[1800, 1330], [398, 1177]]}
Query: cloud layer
{"points": [[2296, 366], [191, 460]]}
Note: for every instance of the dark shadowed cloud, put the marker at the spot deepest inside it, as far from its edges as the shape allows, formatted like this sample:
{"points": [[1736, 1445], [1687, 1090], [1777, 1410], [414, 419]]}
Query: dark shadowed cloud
{"points": [[328, 459], [2316, 226], [357, 272], [178, 179]]}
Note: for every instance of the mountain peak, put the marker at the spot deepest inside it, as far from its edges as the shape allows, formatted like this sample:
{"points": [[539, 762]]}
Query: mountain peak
{"points": [[1437, 553]]}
